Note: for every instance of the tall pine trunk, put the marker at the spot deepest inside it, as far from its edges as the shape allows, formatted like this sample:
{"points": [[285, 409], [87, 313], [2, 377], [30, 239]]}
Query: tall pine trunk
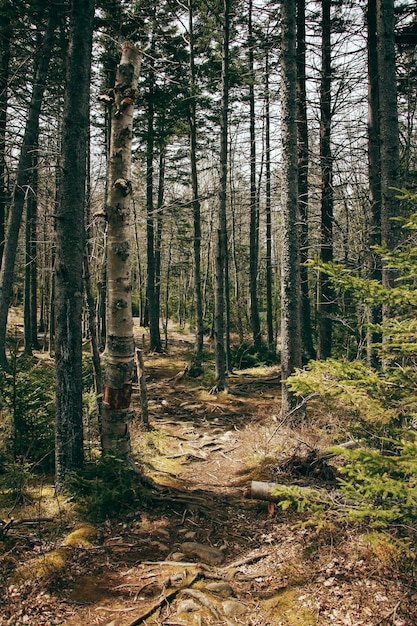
{"points": [[70, 239], [290, 261], [268, 209], [254, 209], [120, 348], [326, 172], [374, 169], [5, 40], [221, 240], [388, 129], [199, 329], [303, 147]]}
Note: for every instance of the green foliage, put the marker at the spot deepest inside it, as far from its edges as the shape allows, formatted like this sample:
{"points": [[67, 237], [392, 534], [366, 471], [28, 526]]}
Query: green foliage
{"points": [[382, 485], [361, 391], [105, 489], [247, 355], [27, 410], [300, 498], [378, 480]]}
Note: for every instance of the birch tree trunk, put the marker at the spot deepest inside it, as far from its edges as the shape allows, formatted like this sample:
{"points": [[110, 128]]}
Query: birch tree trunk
{"points": [[290, 265], [120, 348]]}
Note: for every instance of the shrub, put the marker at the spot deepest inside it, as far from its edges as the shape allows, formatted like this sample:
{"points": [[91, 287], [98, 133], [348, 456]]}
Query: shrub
{"points": [[247, 355], [105, 489]]}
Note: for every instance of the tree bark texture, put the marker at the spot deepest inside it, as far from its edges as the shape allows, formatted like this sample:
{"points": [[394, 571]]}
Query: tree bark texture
{"points": [[326, 170], [303, 156], [22, 181], [290, 261], [120, 349], [70, 239], [388, 128], [254, 207], [268, 209], [374, 172], [6, 31], [153, 307], [221, 240], [199, 329]]}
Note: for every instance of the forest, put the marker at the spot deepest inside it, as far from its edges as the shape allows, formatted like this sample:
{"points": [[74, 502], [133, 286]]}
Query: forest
{"points": [[208, 349]]}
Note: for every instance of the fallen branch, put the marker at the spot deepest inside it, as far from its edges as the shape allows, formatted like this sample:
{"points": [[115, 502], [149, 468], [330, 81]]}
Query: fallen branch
{"points": [[6, 526], [203, 599], [165, 598]]}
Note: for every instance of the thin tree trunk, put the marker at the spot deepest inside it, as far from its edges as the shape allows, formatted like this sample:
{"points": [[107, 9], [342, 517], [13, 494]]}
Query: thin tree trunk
{"points": [[70, 239], [268, 211], [6, 32], [291, 350], [159, 227], [326, 168], [119, 357], [154, 336], [374, 314], [221, 243], [303, 144], [30, 289], [22, 180], [254, 208], [199, 328]]}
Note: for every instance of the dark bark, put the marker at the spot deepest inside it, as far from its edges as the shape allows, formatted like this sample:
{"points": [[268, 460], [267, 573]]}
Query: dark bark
{"points": [[374, 169], [6, 32], [303, 146], [199, 329], [268, 211], [221, 240], [254, 208], [326, 172], [70, 240], [388, 129], [30, 288], [153, 318], [22, 181], [290, 262]]}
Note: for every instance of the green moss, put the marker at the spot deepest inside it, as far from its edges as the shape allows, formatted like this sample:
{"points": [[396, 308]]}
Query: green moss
{"points": [[289, 609]]}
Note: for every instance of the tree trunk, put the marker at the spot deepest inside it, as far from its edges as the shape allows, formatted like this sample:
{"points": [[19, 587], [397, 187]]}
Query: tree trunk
{"points": [[326, 169], [268, 211], [153, 318], [30, 289], [303, 146], [120, 357], [6, 31], [221, 241], [22, 180], [199, 329], [389, 133], [374, 169], [254, 209], [70, 239], [290, 261]]}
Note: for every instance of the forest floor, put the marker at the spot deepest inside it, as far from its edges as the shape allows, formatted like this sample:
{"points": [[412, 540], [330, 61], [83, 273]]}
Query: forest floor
{"points": [[200, 551]]}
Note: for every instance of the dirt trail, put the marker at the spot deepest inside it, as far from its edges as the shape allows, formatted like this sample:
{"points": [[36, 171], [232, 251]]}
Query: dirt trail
{"points": [[202, 553]]}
